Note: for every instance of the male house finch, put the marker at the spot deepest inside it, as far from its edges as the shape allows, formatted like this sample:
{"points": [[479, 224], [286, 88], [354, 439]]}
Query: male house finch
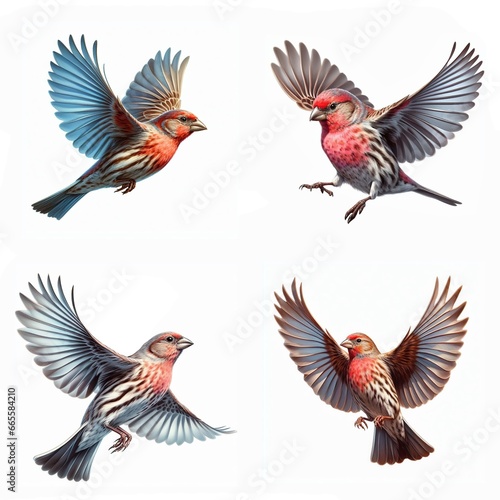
{"points": [[132, 390], [131, 139], [366, 145], [378, 384]]}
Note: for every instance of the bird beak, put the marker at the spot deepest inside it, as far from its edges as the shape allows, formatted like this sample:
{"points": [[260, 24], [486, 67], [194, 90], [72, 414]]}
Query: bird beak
{"points": [[197, 125], [183, 343], [317, 115], [347, 344]]}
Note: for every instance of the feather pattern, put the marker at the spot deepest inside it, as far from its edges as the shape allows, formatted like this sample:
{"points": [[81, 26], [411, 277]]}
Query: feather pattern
{"points": [[303, 76], [417, 125], [168, 421], [421, 365], [93, 118], [157, 87], [317, 355], [71, 357]]}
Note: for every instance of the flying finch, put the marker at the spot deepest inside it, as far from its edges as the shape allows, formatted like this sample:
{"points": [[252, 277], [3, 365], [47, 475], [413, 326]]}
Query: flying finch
{"points": [[366, 145], [378, 384], [130, 390], [130, 139]]}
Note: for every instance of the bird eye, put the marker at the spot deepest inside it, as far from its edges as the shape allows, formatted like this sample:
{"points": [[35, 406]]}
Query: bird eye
{"points": [[358, 341], [333, 105], [183, 119], [170, 339]]}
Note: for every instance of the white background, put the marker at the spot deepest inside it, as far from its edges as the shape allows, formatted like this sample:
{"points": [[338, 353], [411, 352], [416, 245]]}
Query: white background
{"points": [[209, 275]]}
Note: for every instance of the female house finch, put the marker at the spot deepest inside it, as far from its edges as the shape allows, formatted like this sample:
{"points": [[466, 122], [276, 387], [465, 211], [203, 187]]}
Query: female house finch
{"points": [[378, 384], [366, 145], [131, 139], [132, 390]]}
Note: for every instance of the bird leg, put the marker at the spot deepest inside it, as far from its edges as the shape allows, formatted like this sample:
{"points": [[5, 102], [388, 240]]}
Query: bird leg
{"points": [[350, 215], [320, 186], [127, 185], [361, 423], [379, 420], [123, 441]]}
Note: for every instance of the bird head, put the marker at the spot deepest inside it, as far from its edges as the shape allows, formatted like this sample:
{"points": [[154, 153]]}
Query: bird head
{"points": [[359, 344], [165, 346], [337, 108], [178, 124]]}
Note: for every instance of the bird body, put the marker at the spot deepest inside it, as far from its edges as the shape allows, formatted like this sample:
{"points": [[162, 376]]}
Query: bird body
{"points": [[372, 387], [360, 157], [121, 400], [357, 162], [130, 390], [145, 154], [131, 139], [365, 145], [378, 384]]}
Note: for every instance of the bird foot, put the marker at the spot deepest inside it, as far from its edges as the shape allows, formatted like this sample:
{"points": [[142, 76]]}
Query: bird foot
{"points": [[320, 186], [380, 419], [361, 423], [357, 209], [127, 185], [122, 442]]}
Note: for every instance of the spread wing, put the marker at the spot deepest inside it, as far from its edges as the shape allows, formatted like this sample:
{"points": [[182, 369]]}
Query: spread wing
{"points": [[93, 118], [417, 125], [157, 88], [76, 361], [303, 75], [317, 355], [421, 365], [168, 421]]}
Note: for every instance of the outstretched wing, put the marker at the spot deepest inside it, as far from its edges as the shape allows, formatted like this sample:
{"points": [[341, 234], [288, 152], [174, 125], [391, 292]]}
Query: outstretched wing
{"points": [[303, 75], [93, 118], [76, 361], [157, 88], [317, 355], [168, 421], [417, 125], [421, 365]]}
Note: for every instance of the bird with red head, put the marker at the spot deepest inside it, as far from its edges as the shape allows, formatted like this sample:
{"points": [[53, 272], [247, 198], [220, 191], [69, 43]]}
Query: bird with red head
{"points": [[365, 145], [129, 390], [131, 139]]}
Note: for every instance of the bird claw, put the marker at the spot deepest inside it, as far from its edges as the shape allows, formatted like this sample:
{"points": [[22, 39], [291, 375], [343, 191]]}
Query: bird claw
{"points": [[360, 423], [355, 210], [320, 186], [127, 186], [121, 443], [380, 419]]}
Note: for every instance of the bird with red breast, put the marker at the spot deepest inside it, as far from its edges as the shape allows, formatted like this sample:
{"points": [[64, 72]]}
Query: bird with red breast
{"points": [[129, 390], [379, 384], [367, 145], [131, 139]]}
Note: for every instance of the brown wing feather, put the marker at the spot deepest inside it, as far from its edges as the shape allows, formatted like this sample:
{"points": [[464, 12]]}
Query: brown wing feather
{"points": [[317, 355], [421, 365]]}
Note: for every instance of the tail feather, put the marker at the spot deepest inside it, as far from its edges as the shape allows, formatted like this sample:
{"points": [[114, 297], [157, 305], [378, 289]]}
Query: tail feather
{"points": [[58, 204], [67, 460], [437, 196], [386, 450]]}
